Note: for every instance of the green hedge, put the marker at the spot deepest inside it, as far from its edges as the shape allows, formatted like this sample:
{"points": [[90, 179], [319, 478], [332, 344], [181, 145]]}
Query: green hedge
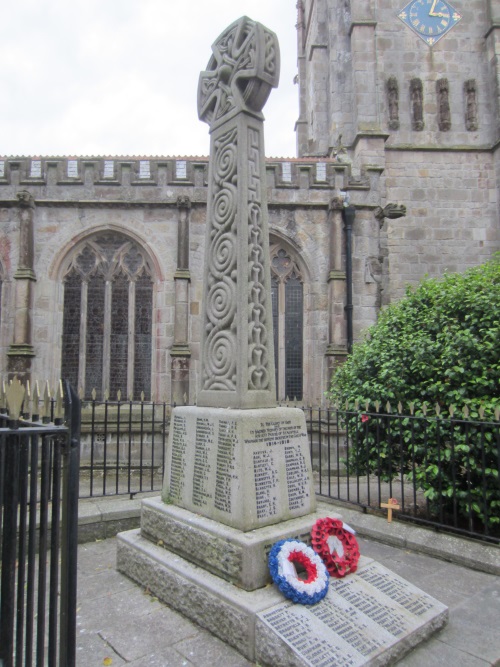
{"points": [[439, 345]]}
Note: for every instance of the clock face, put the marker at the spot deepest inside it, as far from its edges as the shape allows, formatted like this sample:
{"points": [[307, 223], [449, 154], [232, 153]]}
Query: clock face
{"points": [[430, 19]]}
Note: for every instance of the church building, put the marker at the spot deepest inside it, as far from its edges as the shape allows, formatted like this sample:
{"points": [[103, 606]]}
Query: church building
{"points": [[396, 177]]}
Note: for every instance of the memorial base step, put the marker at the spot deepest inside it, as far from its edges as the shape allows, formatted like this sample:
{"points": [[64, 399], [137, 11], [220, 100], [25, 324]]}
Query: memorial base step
{"points": [[371, 617], [236, 556]]}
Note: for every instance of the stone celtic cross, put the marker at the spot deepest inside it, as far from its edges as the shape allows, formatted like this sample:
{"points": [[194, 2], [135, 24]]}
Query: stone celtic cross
{"points": [[237, 356]]}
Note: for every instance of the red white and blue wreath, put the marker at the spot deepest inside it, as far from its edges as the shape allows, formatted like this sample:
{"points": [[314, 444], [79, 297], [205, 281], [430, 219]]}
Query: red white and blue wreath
{"points": [[335, 543], [284, 558]]}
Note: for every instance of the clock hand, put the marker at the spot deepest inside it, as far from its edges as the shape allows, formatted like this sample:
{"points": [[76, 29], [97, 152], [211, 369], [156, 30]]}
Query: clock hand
{"points": [[433, 13]]}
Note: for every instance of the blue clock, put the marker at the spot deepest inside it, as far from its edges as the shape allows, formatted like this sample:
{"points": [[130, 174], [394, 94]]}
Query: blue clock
{"points": [[429, 19]]}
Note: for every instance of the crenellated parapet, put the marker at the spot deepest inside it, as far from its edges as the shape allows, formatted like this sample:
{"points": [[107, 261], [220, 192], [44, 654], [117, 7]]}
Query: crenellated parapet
{"points": [[111, 181]]}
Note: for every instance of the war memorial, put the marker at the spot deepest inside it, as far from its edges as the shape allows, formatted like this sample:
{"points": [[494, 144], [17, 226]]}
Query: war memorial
{"points": [[238, 474]]}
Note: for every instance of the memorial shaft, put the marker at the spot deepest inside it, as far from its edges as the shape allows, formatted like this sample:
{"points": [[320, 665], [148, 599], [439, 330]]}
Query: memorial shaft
{"points": [[237, 356]]}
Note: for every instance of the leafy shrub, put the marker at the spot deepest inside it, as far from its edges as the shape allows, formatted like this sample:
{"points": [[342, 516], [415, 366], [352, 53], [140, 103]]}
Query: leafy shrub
{"points": [[439, 346]]}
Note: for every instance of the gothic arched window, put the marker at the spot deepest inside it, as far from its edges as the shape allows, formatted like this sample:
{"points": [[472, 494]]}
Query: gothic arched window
{"points": [[107, 320], [287, 292]]}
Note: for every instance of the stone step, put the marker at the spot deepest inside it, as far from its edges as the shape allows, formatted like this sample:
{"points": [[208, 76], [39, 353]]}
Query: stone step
{"points": [[372, 617], [236, 556]]}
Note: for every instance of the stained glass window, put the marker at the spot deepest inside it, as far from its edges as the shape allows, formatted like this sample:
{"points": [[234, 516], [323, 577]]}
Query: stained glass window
{"points": [[288, 307], [107, 319]]}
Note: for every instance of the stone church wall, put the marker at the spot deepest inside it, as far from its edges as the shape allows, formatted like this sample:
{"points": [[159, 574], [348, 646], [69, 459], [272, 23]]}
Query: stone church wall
{"points": [[70, 209]]}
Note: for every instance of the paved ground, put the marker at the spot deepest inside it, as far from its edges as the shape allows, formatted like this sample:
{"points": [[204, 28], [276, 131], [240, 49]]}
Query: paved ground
{"points": [[121, 624]]}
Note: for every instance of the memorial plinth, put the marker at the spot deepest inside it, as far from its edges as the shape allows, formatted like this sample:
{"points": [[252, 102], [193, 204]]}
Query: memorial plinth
{"points": [[244, 468]]}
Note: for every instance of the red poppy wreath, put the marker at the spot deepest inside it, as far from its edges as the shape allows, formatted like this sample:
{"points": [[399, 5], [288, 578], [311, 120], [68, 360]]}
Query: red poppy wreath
{"points": [[336, 546]]}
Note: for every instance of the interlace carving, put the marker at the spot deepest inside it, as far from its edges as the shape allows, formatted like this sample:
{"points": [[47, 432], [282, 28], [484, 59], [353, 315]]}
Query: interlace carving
{"points": [[258, 376], [241, 72]]}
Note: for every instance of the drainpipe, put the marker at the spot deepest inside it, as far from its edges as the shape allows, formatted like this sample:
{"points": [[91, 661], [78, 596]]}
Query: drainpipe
{"points": [[348, 214]]}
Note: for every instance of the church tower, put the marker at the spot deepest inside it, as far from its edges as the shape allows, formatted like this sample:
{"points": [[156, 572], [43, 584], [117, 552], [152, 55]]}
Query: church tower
{"points": [[411, 89]]}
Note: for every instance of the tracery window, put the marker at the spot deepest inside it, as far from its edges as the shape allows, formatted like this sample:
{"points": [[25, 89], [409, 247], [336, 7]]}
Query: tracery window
{"points": [[107, 320], [287, 293]]}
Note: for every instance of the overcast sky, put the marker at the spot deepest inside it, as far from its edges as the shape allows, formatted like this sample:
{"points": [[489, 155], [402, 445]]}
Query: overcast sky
{"points": [[120, 77]]}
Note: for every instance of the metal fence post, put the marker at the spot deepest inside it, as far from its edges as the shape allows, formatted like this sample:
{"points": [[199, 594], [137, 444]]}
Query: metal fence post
{"points": [[69, 530]]}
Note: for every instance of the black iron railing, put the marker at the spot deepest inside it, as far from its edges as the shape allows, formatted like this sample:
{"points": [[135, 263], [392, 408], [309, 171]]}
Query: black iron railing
{"points": [[122, 447], [38, 536], [442, 470]]}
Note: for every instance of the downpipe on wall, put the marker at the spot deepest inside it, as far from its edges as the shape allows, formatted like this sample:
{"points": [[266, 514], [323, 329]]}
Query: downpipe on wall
{"points": [[348, 215]]}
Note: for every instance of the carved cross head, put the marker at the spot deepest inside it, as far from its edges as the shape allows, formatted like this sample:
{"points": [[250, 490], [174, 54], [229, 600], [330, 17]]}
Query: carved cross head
{"points": [[243, 69]]}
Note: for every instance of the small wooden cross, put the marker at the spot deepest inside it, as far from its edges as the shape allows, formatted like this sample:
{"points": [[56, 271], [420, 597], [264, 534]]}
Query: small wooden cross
{"points": [[390, 505]]}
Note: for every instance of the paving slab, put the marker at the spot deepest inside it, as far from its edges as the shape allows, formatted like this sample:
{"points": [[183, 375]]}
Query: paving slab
{"points": [[107, 599]]}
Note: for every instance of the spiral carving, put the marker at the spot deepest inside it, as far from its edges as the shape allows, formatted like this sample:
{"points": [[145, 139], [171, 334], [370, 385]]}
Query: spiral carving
{"points": [[219, 352], [225, 165], [221, 302], [224, 207], [224, 253], [220, 361]]}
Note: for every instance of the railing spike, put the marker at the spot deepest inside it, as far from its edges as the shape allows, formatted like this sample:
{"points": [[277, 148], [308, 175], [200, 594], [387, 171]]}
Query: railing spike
{"points": [[356, 405], [451, 410], [412, 408], [106, 394], [367, 406], [497, 413], [119, 395], [93, 393], [346, 404], [437, 409], [27, 401], [142, 397], [35, 415], [466, 411], [59, 409], [3, 401], [400, 408], [377, 405], [81, 393], [481, 411], [15, 397], [185, 398], [388, 407], [46, 403]]}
